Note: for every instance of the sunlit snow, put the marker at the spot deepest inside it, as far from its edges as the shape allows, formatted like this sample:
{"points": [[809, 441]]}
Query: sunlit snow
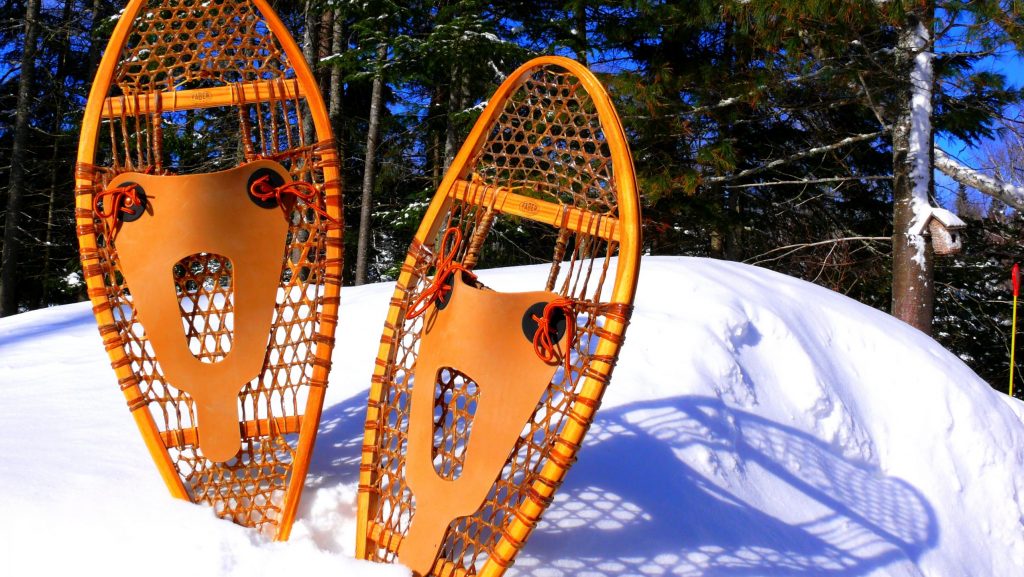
{"points": [[755, 425]]}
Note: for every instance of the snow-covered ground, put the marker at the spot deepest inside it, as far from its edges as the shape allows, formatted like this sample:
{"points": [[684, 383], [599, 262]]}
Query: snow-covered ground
{"points": [[755, 425]]}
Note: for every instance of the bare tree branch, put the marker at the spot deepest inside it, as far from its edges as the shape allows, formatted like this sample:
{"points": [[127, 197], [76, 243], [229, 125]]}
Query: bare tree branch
{"points": [[790, 249]]}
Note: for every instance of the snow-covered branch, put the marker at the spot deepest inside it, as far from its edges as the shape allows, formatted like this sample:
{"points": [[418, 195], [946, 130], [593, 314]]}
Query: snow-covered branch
{"points": [[832, 180], [726, 102], [797, 156], [1008, 193]]}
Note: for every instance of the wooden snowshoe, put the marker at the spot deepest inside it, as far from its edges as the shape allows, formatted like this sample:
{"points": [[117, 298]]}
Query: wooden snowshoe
{"points": [[208, 214], [481, 397]]}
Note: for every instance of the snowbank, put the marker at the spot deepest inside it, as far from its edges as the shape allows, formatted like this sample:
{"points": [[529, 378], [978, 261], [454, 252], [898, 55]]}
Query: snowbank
{"points": [[755, 425]]}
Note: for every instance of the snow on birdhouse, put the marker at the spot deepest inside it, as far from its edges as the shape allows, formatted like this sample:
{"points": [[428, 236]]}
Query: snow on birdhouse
{"points": [[944, 229]]}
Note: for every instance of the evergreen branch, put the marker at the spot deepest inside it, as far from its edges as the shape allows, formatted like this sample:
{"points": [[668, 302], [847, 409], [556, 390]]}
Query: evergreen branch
{"points": [[726, 102], [794, 157]]}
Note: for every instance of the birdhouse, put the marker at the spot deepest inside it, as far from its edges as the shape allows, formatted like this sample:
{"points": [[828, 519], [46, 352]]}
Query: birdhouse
{"points": [[944, 228]]}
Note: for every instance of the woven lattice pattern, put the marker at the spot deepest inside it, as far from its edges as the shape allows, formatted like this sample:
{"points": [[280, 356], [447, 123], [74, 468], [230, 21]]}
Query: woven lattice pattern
{"points": [[455, 400], [185, 44], [206, 303], [256, 478], [246, 489], [183, 41], [547, 143], [228, 44]]}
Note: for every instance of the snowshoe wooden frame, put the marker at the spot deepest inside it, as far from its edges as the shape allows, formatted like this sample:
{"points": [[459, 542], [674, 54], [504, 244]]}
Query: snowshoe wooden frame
{"points": [[229, 69], [548, 152]]}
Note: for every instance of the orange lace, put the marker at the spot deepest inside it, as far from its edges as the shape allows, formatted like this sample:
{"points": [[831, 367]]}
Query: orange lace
{"points": [[262, 189], [115, 200], [444, 269], [547, 349]]}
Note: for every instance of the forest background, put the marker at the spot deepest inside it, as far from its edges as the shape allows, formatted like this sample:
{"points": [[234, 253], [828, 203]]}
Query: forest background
{"points": [[802, 136]]}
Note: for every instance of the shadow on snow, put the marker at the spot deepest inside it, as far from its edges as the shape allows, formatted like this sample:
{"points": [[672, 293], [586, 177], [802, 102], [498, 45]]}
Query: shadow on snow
{"points": [[634, 504]]}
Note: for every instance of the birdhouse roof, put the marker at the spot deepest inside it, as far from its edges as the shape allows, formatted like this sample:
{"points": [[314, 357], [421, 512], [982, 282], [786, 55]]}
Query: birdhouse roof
{"points": [[945, 217]]}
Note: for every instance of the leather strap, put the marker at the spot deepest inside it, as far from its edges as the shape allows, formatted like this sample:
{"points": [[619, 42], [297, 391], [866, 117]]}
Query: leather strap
{"points": [[205, 213], [478, 333]]}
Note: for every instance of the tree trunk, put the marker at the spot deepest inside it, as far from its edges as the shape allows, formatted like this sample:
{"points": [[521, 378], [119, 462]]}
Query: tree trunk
{"points": [[326, 40], [451, 135], [913, 290], [436, 126], [310, 50], [58, 117], [336, 98], [582, 43], [734, 227], [96, 45], [722, 232], [336, 94], [363, 246], [16, 191]]}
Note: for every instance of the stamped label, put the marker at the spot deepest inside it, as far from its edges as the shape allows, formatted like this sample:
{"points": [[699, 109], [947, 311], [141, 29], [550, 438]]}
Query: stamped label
{"points": [[528, 207], [201, 95]]}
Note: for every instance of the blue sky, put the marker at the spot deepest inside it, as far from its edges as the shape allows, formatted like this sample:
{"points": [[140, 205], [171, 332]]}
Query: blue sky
{"points": [[1011, 64]]}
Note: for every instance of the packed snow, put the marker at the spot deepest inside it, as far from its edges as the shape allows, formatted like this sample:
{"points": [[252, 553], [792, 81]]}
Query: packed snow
{"points": [[755, 425]]}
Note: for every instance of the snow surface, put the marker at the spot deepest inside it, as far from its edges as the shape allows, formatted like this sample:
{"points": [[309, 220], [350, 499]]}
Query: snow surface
{"points": [[755, 425]]}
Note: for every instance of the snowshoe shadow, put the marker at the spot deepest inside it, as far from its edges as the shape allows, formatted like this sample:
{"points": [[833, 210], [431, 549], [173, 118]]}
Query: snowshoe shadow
{"points": [[339, 442], [648, 497]]}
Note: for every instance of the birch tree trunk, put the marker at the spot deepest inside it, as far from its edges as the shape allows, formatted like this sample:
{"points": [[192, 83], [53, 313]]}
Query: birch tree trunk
{"points": [[376, 96], [1005, 192], [913, 290], [16, 190]]}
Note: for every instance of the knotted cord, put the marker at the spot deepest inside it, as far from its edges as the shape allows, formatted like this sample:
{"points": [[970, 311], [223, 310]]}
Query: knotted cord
{"points": [[121, 199], [445, 268], [546, 348], [262, 189]]}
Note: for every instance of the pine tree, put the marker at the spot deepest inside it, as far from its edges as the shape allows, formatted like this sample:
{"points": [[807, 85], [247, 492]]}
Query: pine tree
{"points": [[948, 94], [973, 296], [754, 137], [18, 185], [56, 193]]}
